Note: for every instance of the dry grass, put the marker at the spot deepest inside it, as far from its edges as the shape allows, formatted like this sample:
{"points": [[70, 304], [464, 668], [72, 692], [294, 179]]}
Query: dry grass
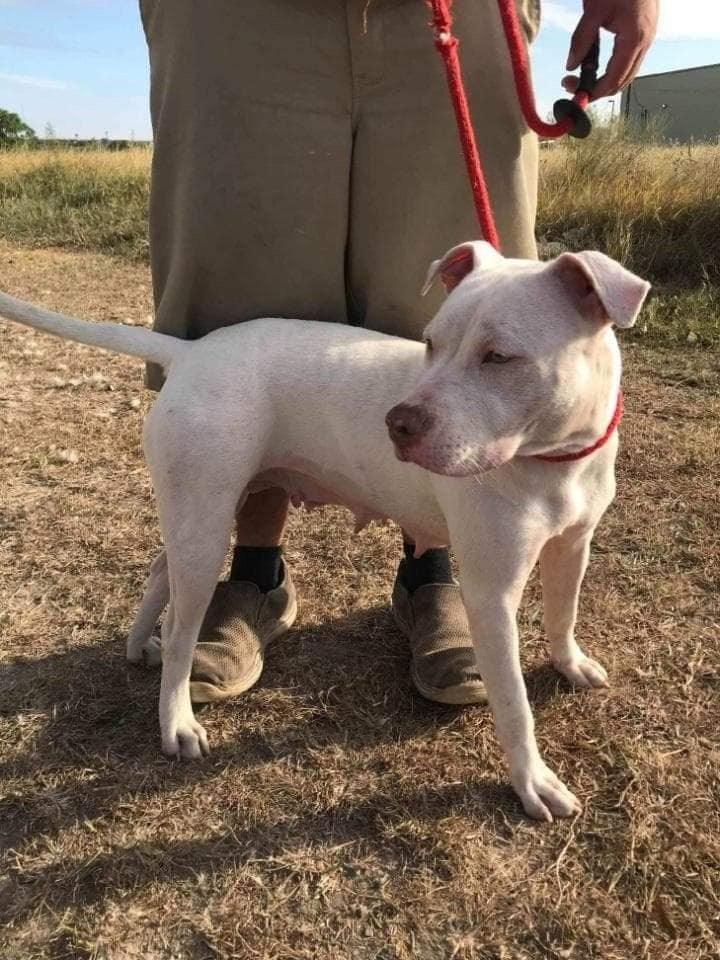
{"points": [[340, 816], [655, 208], [109, 164], [78, 199]]}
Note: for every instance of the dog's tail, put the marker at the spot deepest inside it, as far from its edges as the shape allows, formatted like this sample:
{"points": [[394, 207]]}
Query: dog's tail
{"points": [[133, 341]]}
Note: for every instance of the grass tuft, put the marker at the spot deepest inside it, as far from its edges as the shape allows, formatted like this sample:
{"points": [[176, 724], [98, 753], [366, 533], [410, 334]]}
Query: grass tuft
{"points": [[656, 209], [77, 199]]}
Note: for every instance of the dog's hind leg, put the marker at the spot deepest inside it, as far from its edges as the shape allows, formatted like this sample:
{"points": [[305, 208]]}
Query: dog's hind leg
{"points": [[141, 643], [196, 518], [200, 464]]}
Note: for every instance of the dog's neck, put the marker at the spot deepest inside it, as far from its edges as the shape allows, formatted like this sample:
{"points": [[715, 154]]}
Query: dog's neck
{"points": [[600, 423], [571, 456]]}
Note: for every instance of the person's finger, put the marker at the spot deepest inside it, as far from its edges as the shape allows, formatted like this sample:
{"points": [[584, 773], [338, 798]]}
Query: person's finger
{"points": [[582, 40], [626, 51], [570, 82], [632, 72]]}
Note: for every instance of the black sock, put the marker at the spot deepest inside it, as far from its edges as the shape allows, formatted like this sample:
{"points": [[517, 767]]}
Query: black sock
{"points": [[260, 565], [432, 567]]}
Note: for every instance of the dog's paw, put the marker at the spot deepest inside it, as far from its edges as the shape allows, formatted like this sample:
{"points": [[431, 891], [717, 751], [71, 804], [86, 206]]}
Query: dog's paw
{"points": [[543, 795], [152, 652], [187, 741], [133, 653], [147, 651], [583, 671]]}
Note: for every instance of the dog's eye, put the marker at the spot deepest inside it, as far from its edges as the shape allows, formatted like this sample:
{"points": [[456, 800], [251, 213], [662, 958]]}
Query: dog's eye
{"points": [[494, 357]]}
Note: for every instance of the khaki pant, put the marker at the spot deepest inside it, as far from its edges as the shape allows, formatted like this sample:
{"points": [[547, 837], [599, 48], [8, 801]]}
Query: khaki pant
{"points": [[307, 162]]}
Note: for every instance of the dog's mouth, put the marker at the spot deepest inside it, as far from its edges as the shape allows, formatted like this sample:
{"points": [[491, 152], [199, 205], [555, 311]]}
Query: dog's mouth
{"points": [[450, 457], [444, 464], [404, 454]]}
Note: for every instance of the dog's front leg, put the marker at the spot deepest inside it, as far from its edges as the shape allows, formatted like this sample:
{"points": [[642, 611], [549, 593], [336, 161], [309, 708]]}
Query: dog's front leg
{"points": [[492, 596], [563, 562]]}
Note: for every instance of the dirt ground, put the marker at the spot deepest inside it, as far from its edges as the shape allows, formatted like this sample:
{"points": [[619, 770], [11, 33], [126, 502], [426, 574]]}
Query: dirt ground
{"points": [[339, 815]]}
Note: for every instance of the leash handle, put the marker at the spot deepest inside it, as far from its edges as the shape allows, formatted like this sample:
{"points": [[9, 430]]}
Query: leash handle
{"points": [[573, 112], [589, 68], [570, 114]]}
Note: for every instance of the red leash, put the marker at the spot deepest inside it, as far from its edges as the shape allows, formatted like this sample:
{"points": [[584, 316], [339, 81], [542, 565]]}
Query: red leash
{"points": [[447, 46], [570, 116]]}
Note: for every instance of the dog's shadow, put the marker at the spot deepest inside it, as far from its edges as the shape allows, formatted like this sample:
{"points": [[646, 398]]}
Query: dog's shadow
{"points": [[337, 686], [346, 681]]}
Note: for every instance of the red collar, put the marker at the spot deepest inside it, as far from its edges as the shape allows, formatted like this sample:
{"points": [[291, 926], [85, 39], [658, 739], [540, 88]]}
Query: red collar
{"points": [[586, 451]]}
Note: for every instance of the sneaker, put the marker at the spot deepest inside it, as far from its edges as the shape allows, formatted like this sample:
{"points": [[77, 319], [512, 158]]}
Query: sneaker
{"points": [[433, 619], [240, 623]]}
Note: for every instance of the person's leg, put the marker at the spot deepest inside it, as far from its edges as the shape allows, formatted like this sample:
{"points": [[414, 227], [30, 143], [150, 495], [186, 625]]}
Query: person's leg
{"points": [[252, 141], [261, 520], [410, 202], [251, 110], [248, 210], [260, 526]]}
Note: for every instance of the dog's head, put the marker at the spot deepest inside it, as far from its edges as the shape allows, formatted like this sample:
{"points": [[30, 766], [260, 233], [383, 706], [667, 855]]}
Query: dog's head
{"points": [[520, 358]]}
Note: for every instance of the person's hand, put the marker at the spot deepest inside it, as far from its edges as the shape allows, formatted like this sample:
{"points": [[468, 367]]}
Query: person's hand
{"points": [[633, 22]]}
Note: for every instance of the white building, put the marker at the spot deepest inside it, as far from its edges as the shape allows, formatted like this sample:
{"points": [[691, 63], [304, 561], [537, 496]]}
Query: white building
{"points": [[685, 104]]}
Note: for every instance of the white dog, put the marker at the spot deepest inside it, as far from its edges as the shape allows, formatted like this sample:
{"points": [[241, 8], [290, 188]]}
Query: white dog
{"points": [[519, 371]]}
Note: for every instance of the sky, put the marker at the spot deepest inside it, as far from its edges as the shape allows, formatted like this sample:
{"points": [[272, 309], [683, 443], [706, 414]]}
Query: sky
{"points": [[81, 65]]}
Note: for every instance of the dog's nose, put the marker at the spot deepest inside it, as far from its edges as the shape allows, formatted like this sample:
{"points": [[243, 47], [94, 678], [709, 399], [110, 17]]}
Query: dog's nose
{"points": [[406, 423]]}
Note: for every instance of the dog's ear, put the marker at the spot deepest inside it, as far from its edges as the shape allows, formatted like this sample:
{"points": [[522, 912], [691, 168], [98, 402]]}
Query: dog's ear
{"points": [[459, 262], [600, 288]]}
